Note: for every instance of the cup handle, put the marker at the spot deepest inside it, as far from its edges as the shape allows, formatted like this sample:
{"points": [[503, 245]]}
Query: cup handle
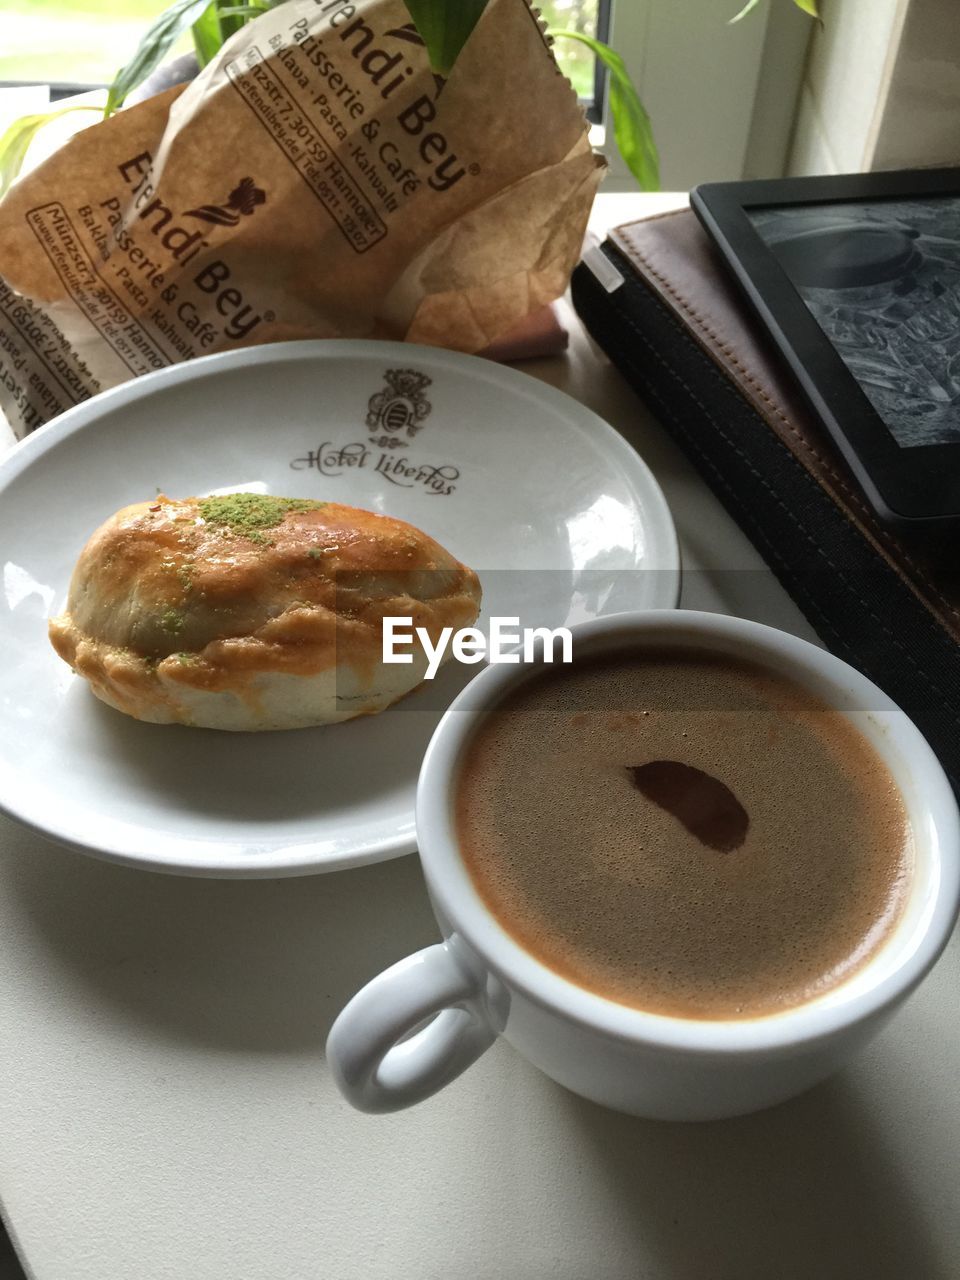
{"points": [[378, 1058]]}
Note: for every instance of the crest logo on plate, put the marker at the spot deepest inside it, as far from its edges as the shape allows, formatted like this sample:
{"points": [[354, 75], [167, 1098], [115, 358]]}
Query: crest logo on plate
{"points": [[399, 409]]}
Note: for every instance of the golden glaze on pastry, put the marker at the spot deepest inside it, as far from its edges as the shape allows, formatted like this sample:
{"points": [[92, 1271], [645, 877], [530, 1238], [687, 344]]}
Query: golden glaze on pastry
{"points": [[254, 612]]}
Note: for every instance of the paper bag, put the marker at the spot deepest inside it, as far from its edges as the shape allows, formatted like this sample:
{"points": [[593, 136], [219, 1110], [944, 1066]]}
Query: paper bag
{"points": [[317, 180]]}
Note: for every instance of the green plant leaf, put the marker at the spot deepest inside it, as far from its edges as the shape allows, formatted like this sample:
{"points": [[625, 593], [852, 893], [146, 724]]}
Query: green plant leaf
{"points": [[153, 48], [246, 12], [207, 35], [16, 140], [808, 6], [445, 26], [632, 129], [234, 16], [218, 23], [747, 8]]}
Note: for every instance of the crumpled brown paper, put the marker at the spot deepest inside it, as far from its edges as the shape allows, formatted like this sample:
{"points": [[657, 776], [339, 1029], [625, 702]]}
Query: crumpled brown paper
{"points": [[316, 180]]}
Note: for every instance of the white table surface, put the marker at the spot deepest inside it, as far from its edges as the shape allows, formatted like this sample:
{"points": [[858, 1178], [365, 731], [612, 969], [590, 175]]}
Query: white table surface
{"points": [[166, 1112]]}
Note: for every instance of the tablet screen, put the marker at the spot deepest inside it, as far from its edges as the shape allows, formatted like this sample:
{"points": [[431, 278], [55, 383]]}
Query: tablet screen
{"points": [[882, 279]]}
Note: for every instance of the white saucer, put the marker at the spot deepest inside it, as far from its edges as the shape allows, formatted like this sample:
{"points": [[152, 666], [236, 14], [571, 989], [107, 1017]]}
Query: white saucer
{"points": [[554, 510]]}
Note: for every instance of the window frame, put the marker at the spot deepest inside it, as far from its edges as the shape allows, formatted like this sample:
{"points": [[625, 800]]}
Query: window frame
{"points": [[595, 107]]}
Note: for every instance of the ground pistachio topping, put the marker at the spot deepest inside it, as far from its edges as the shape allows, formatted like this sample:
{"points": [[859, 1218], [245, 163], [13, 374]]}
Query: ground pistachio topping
{"points": [[248, 513]]}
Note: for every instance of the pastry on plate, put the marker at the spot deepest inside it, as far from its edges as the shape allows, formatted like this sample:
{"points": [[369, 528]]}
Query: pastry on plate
{"points": [[248, 611]]}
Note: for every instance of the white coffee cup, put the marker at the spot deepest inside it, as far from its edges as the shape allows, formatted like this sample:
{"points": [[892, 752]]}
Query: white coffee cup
{"points": [[480, 982]]}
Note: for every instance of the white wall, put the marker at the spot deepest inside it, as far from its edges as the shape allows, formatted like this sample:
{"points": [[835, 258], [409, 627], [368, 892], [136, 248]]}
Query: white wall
{"points": [[698, 78], [920, 123], [877, 85], [785, 48], [845, 85]]}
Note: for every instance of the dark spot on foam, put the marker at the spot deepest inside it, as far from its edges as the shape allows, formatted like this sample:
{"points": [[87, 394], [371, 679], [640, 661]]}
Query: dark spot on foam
{"points": [[706, 807]]}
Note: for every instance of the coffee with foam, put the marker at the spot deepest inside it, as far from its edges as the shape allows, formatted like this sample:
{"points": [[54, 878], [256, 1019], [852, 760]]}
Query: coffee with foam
{"points": [[685, 833]]}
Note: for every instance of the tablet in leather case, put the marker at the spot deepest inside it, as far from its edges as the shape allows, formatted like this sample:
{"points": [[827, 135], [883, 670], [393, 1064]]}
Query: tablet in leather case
{"points": [[660, 303]]}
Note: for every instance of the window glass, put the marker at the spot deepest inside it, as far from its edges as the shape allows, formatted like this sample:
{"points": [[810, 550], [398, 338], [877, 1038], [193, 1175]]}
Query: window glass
{"points": [[83, 42], [80, 42], [575, 58]]}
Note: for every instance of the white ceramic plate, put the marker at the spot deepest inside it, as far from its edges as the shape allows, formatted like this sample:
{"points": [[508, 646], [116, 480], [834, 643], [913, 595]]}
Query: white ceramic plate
{"points": [[554, 510]]}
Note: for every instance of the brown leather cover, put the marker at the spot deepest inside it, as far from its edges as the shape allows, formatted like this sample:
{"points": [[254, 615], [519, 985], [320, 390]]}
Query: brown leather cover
{"points": [[676, 259]]}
